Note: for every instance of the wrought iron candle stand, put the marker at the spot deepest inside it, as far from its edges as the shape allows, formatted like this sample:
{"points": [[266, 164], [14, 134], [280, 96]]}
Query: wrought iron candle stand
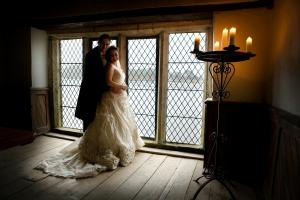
{"points": [[221, 70]]}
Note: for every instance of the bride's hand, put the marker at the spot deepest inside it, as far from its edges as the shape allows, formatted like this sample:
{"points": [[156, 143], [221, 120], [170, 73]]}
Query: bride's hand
{"points": [[124, 87], [116, 90]]}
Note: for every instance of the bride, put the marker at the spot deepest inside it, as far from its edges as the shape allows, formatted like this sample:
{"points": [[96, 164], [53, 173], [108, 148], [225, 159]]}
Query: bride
{"points": [[110, 140]]}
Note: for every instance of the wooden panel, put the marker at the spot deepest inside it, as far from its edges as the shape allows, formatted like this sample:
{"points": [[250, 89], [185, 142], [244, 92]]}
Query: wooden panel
{"points": [[283, 179], [40, 110], [244, 136], [272, 154]]}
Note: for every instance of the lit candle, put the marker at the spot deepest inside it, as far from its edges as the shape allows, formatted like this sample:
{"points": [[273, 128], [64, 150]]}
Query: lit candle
{"points": [[197, 43], [224, 41], [232, 33], [217, 45], [249, 44]]}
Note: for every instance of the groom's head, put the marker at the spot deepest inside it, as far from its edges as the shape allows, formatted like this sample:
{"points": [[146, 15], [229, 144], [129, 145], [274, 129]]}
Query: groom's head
{"points": [[104, 42]]}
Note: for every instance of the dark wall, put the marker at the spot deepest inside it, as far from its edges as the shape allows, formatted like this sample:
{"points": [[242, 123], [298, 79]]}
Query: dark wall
{"points": [[284, 71], [15, 76]]}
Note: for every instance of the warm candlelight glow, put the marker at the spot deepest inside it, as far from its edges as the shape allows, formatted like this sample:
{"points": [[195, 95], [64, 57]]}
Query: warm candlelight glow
{"points": [[232, 33], [249, 44], [217, 45], [197, 43], [224, 41]]}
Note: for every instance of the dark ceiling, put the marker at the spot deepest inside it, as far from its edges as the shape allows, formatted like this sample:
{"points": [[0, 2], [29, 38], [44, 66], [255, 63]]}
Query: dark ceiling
{"points": [[60, 12]]}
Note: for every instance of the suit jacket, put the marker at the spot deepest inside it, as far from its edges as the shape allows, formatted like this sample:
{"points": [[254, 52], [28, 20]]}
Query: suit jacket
{"points": [[92, 87]]}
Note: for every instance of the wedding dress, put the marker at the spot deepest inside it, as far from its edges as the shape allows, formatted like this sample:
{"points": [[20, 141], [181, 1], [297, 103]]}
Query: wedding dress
{"points": [[110, 140]]}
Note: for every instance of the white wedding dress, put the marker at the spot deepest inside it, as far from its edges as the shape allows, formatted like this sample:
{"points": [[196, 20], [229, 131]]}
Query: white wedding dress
{"points": [[110, 140]]}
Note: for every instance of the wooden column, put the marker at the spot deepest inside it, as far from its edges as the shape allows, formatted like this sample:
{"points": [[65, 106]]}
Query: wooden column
{"points": [[40, 110]]}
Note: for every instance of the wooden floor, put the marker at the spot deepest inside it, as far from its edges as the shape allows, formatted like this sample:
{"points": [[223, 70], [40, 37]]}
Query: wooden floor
{"points": [[150, 176], [11, 137]]}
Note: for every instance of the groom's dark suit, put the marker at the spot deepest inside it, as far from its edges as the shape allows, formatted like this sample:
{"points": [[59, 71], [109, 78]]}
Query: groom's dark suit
{"points": [[92, 87]]}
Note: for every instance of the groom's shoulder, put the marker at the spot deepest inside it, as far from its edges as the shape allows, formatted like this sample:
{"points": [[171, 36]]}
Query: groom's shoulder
{"points": [[94, 51]]}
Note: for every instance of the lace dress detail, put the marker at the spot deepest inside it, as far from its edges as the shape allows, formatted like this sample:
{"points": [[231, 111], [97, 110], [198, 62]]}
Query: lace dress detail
{"points": [[110, 140]]}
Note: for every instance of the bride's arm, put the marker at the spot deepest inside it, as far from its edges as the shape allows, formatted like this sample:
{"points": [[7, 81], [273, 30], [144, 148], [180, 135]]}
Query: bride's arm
{"points": [[114, 85]]}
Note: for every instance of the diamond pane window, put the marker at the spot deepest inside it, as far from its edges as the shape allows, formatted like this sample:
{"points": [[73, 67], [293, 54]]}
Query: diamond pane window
{"points": [[71, 76], [71, 58], [142, 66], [185, 95]]}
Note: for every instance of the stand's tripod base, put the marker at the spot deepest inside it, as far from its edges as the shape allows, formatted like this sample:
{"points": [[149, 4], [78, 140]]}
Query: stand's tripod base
{"points": [[208, 181]]}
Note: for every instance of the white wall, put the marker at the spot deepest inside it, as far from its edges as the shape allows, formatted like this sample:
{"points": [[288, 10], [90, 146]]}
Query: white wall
{"points": [[39, 58]]}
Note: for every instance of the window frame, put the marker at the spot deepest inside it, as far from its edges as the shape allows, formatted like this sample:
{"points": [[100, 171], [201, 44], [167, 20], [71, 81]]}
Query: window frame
{"points": [[156, 37], [149, 30]]}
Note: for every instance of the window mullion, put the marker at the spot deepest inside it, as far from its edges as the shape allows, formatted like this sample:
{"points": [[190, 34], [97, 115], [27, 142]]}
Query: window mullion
{"points": [[55, 59], [162, 85], [208, 86], [122, 51], [85, 46]]}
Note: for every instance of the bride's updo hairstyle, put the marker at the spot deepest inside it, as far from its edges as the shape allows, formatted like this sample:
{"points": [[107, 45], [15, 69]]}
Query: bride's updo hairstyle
{"points": [[108, 51]]}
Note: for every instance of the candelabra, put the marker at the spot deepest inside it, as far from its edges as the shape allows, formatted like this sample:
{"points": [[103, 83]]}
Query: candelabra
{"points": [[221, 70]]}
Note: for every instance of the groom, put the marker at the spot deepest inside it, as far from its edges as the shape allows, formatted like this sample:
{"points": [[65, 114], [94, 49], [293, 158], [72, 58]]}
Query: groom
{"points": [[93, 82]]}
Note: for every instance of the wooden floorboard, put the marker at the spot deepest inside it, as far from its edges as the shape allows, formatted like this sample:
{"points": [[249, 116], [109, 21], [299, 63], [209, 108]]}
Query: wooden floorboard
{"points": [[150, 176], [41, 144], [24, 168], [36, 190], [106, 189], [136, 182], [178, 185], [74, 188], [193, 186], [10, 137], [153, 190]]}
